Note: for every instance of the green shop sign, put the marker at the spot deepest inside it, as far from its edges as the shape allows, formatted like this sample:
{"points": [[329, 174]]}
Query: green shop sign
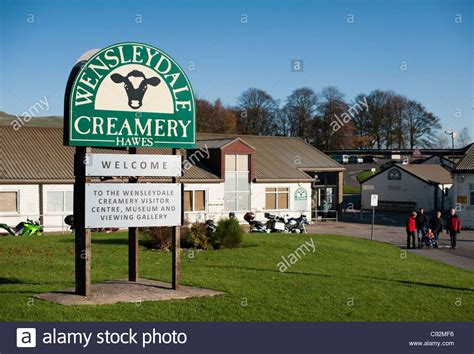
{"points": [[131, 94], [301, 194]]}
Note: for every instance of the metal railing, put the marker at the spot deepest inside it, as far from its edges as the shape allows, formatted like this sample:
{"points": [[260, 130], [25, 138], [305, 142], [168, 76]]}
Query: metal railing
{"points": [[321, 215]]}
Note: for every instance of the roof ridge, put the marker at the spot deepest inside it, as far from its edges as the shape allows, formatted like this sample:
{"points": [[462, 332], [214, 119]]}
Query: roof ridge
{"points": [[251, 135]]}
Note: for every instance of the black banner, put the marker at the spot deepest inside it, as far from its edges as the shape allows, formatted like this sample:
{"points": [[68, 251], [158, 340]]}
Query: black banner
{"points": [[97, 337]]}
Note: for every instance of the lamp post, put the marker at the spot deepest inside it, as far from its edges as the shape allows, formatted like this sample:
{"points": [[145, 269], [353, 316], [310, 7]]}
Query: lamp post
{"points": [[453, 135]]}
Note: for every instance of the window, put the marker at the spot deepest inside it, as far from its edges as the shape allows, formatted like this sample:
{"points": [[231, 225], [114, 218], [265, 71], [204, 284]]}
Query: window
{"points": [[394, 174], [9, 202], [276, 198], [59, 201], [194, 200], [236, 186], [471, 193]]}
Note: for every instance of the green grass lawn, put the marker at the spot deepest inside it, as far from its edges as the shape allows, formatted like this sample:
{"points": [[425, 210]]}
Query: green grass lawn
{"points": [[345, 279], [351, 189], [364, 175]]}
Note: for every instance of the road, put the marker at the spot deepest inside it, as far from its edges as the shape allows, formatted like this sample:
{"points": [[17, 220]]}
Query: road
{"points": [[390, 231]]}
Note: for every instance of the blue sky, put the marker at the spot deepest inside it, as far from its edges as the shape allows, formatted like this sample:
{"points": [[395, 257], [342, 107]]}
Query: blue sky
{"points": [[41, 40]]}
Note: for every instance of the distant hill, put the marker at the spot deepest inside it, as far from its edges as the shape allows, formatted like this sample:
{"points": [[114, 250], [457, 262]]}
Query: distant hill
{"points": [[49, 121]]}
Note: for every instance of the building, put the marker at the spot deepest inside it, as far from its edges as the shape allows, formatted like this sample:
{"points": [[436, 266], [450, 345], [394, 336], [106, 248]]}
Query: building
{"points": [[224, 173], [406, 187], [439, 160], [463, 188]]}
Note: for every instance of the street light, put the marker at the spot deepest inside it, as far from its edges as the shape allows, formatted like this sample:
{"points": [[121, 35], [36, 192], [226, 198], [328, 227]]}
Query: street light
{"points": [[453, 134]]}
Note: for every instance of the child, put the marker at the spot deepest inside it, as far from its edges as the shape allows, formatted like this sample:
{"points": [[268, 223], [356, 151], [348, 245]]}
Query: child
{"points": [[411, 229], [430, 238]]}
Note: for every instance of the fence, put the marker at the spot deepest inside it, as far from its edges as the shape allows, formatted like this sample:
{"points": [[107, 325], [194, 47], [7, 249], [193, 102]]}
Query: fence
{"points": [[320, 215]]}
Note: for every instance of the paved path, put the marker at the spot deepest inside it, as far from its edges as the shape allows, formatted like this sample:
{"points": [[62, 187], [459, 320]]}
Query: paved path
{"points": [[462, 257]]}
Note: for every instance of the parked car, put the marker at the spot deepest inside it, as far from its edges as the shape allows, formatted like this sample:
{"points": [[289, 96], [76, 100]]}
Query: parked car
{"points": [[369, 159], [353, 159], [338, 158], [387, 164]]}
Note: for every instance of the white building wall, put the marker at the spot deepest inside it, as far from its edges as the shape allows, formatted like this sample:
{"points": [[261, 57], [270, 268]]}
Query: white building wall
{"points": [[258, 199], [215, 201], [54, 221], [29, 206], [214, 193], [461, 189], [28, 203], [29, 200], [406, 189]]}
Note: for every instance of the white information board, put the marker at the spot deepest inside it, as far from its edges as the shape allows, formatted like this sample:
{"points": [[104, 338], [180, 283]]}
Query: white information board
{"points": [[132, 204], [374, 200], [133, 165]]}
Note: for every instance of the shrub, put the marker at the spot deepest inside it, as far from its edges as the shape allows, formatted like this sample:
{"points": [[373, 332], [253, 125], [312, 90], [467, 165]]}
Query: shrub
{"points": [[198, 237], [229, 233], [158, 237]]}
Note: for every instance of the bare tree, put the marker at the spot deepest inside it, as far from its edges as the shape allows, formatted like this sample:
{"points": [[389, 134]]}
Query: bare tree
{"points": [[299, 111], [332, 131], [377, 101], [256, 112], [441, 141], [464, 138], [421, 126]]}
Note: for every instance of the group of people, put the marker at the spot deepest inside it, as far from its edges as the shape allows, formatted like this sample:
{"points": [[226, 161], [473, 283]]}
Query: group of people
{"points": [[422, 231]]}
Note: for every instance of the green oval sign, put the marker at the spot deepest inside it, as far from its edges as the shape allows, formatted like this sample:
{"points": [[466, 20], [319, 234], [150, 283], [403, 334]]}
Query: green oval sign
{"points": [[131, 94], [301, 194]]}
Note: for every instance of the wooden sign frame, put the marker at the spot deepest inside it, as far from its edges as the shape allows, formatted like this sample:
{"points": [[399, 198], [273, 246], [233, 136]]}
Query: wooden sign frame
{"points": [[83, 235]]}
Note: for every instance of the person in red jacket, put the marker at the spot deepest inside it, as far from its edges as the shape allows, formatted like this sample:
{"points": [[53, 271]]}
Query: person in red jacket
{"points": [[453, 227], [411, 230]]}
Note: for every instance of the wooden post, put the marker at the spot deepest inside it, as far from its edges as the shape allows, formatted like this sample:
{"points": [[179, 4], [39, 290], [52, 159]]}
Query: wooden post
{"points": [[133, 260], [41, 206], [82, 235], [175, 246]]}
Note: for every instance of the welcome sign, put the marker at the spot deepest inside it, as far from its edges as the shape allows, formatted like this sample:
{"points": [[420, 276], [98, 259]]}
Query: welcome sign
{"points": [[131, 95]]}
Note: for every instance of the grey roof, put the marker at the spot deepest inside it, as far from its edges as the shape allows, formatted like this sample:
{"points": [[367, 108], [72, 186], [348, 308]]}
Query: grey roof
{"points": [[429, 173], [433, 174], [467, 161], [213, 143], [281, 158], [37, 154]]}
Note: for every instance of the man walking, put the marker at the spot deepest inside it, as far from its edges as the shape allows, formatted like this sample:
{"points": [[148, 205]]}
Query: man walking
{"points": [[436, 226], [421, 225], [453, 227]]}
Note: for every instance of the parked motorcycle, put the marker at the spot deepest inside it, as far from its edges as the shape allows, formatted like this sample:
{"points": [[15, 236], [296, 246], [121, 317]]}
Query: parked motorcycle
{"points": [[255, 225], [24, 228], [275, 223], [297, 225], [69, 220], [210, 225]]}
